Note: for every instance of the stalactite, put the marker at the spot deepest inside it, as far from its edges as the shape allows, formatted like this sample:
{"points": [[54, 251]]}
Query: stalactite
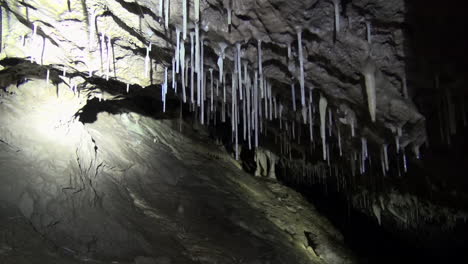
{"points": [[174, 83], [211, 87], [289, 51], [202, 66], [404, 87], [365, 154], [147, 60], [323, 108], [177, 50], [229, 11], [224, 89], [239, 69], [256, 107], [47, 76], [166, 14], [164, 89], [222, 47], [244, 126], [416, 151], [336, 5], [397, 143], [64, 72], [197, 62], [385, 153], [293, 94], [182, 68], [311, 124], [161, 9], [405, 167], [197, 10], [192, 67], [369, 76], [301, 64], [368, 29], [330, 122], [128, 87], [108, 57], [339, 139], [184, 17]]}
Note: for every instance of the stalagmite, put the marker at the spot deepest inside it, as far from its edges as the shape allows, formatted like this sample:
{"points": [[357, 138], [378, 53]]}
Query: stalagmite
{"points": [[369, 76], [336, 5], [323, 109], [197, 10], [293, 94], [166, 14], [184, 17]]}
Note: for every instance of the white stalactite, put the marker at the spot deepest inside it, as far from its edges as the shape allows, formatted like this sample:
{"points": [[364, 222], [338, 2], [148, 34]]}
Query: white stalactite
{"points": [[166, 14], [336, 5], [369, 76], [385, 153], [128, 87], [301, 65], [161, 9], [229, 16], [184, 17], [164, 89], [177, 58], [239, 69], [323, 109], [368, 29], [147, 60], [108, 57], [197, 62], [47, 76], [197, 10], [211, 87], [174, 84], [182, 68], [192, 68], [289, 51], [222, 47]]}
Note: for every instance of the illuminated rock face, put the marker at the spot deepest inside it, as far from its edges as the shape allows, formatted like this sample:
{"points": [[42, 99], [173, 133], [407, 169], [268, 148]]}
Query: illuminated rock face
{"points": [[133, 60]]}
